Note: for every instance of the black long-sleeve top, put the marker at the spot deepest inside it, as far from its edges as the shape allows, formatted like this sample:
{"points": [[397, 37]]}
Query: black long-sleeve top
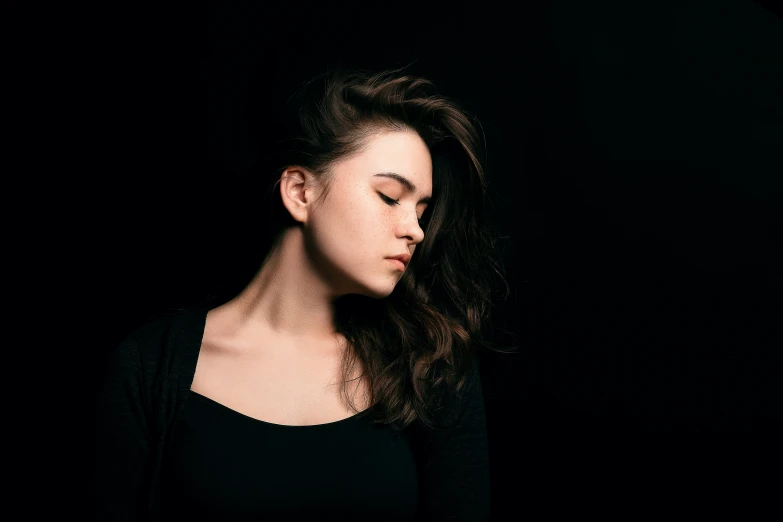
{"points": [[164, 452]]}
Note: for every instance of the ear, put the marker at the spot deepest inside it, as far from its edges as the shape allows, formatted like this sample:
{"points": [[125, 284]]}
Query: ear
{"points": [[297, 192]]}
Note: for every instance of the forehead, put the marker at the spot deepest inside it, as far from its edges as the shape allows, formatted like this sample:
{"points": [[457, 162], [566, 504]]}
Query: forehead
{"points": [[401, 152]]}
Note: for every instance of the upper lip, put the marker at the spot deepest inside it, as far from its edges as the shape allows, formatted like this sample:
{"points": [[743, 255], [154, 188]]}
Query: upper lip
{"points": [[405, 258]]}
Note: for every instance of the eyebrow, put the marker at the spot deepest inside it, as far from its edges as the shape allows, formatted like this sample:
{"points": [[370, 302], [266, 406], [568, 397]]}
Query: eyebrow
{"points": [[405, 182]]}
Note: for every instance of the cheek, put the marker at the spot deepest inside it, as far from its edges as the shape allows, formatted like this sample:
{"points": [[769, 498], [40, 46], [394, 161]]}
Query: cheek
{"points": [[352, 226], [367, 227], [366, 216], [378, 219], [347, 226]]}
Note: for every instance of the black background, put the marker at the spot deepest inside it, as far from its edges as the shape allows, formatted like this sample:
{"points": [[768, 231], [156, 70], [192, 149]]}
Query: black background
{"points": [[633, 154]]}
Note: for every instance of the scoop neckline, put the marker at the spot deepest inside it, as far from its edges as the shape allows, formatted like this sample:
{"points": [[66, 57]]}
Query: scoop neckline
{"points": [[232, 411]]}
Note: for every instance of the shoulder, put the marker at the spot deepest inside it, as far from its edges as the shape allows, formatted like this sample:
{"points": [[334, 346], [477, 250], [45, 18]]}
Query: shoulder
{"points": [[156, 328], [161, 337], [470, 394], [464, 406]]}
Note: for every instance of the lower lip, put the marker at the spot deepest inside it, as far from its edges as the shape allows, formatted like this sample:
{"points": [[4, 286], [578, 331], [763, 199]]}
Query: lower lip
{"points": [[399, 264]]}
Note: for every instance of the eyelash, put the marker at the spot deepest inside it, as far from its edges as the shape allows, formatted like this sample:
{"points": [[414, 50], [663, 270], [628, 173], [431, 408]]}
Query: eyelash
{"points": [[390, 201]]}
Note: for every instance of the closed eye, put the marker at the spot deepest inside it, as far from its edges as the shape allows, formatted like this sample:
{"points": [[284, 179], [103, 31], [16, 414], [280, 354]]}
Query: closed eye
{"points": [[389, 201]]}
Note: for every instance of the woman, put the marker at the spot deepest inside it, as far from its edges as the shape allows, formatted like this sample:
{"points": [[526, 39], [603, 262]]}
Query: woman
{"points": [[342, 381]]}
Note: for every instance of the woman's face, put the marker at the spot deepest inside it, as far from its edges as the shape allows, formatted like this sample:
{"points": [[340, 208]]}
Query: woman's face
{"points": [[368, 215]]}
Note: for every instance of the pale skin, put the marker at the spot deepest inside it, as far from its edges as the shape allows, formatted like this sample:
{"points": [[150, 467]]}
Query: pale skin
{"points": [[272, 352]]}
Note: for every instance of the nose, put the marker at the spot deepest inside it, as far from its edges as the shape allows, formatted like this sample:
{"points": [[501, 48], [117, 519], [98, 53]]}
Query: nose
{"points": [[410, 228]]}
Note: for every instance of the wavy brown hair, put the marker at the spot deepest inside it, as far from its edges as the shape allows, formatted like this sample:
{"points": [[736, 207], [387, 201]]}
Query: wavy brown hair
{"points": [[417, 345]]}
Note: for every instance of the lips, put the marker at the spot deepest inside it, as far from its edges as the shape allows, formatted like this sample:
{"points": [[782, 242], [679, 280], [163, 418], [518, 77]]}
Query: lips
{"points": [[403, 258]]}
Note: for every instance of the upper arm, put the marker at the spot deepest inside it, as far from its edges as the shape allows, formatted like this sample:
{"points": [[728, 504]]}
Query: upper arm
{"points": [[120, 461], [455, 476]]}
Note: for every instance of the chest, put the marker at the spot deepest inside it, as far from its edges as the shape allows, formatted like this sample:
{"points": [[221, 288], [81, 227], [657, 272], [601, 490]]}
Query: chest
{"points": [[280, 386]]}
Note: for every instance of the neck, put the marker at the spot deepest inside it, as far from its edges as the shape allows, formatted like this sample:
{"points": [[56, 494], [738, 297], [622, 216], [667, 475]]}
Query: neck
{"points": [[287, 297]]}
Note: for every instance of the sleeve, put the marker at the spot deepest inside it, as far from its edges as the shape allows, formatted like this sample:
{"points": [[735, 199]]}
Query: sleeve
{"points": [[121, 458], [455, 482]]}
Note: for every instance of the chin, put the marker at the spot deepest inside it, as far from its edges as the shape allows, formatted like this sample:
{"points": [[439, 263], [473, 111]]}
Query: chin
{"points": [[378, 294], [378, 291]]}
